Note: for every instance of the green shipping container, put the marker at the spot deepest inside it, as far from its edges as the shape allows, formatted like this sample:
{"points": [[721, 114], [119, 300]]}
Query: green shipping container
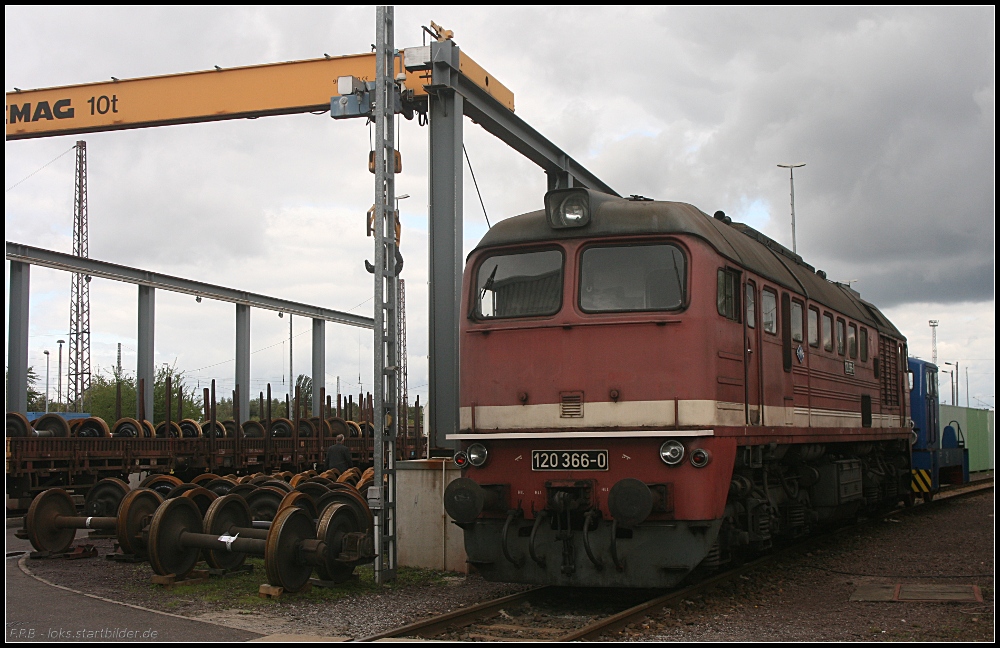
{"points": [[977, 427]]}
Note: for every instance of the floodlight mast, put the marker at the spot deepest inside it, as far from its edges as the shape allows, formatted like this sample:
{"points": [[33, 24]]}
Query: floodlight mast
{"points": [[791, 180]]}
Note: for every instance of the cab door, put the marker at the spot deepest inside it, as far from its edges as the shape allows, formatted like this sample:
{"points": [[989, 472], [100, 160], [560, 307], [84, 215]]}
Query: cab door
{"points": [[752, 354]]}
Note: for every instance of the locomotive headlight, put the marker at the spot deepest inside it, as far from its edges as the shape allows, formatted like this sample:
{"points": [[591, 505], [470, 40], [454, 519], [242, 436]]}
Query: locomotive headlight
{"points": [[477, 454], [700, 457], [567, 208], [461, 459], [672, 452]]}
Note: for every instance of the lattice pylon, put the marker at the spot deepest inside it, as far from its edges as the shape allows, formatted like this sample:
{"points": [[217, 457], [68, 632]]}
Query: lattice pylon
{"points": [[79, 300]]}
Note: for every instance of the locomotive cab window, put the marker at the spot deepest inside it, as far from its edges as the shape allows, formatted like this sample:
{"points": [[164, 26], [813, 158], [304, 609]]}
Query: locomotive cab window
{"points": [[523, 284], [769, 311], [751, 300], [827, 331], [864, 344], [632, 278], [852, 340], [796, 321], [729, 294], [813, 327], [841, 329]]}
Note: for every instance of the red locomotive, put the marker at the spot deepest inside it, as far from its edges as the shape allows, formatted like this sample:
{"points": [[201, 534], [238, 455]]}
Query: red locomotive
{"points": [[646, 389]]}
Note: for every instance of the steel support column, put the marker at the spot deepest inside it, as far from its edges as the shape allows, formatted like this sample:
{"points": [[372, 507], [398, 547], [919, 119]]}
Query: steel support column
{"points": [[446, 254], [17, 339], [243, 360], [318, 364], [144, 364]]}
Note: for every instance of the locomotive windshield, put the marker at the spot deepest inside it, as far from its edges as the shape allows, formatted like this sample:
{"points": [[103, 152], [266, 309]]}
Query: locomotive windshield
{"points": [[520, 285], [632, 278]]}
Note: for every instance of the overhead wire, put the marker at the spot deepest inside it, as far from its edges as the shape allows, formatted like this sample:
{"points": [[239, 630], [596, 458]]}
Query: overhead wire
{"points": [[477, 187], [39, 168]]}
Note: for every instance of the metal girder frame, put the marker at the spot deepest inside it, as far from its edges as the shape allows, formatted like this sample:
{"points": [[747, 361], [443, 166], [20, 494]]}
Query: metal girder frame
{"points": [[451, 95], [22, 256]]}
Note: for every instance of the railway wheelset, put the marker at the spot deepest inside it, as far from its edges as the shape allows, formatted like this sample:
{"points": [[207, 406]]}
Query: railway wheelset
{"points": [[296, 523]]}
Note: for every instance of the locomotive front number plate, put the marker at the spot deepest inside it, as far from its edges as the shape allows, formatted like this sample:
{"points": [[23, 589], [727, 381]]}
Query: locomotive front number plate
{"points": [[569, 459]]}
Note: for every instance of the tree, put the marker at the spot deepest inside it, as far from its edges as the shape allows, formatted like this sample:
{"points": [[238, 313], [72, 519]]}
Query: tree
{"points": [[101, 396]]}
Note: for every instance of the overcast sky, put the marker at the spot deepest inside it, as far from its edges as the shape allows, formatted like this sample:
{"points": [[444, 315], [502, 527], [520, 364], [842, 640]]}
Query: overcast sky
{"points": [[892, 110]]}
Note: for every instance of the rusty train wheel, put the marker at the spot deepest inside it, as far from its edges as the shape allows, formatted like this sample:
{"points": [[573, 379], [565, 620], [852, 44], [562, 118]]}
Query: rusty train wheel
{"points": [[219, 431], [338, 426], [127, 428], [190, 429], [312, 489], [334, 524], [173, 433], [282, 559], [355, 428], [178, 490], [351, 498], [242, 490], [202, 497], [320, 479], [51, 425], [253, 430], [280, 428], [300, 500], [204, 478], [150, 430], [258, 480], [224, 514], [93, 428], [232, 429], [294, 481], [44, 533], [219, 486], [364, 485], [167, 555], [136, 510], [330, 474], [277, 483], [264, 502], [105, 497], [18, 425], [162, 484]]}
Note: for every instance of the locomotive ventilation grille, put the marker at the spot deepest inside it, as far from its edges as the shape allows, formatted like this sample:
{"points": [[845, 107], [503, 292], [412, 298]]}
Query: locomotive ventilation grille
{"points": [[571, 405]]}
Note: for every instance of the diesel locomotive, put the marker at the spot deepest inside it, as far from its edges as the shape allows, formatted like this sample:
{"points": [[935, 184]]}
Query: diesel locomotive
{"points": [[647, 390]]}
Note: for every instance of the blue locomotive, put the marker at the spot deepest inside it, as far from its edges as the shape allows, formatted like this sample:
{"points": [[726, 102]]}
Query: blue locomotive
{"points": [[937, 457]]}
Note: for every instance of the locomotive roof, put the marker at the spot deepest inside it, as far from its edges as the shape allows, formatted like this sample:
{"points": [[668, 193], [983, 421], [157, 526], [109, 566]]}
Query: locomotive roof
{"points": [[741, 244]]}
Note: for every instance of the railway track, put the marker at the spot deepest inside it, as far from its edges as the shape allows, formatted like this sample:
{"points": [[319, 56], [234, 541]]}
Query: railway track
{"points": [[566, 614]]}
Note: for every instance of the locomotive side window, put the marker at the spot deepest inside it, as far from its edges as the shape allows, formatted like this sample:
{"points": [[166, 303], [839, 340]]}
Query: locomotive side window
{"points": [[796, 322], [828, 331], [852, 340], [751, 305], [864, 344], [729, 294], [520, 285], [813, 327], [632, 278], [769, 311], [840, 336]]}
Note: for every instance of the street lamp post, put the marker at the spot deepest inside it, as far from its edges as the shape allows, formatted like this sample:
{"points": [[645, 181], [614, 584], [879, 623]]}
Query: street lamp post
{"points": [[46, 381], [59, 379], [791, 181], [955, 399]]}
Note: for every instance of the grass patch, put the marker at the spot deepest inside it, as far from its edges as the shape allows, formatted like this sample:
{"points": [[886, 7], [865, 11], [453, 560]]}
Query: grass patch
{"points": [[240, 590]]}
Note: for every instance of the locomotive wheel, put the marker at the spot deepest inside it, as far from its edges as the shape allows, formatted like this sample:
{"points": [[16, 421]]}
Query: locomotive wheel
{"points": [[150, 430], [277, 483], [202, 497], [219, 431], [245, 479], [264, 502], [253, 430], [281, 428], [320, 479], [136, 509], [336, 522], [203, 478], [306, 429], [178, 490], [18, 425], [294, 481], [128, 428], [282, 561], [300, 500], [105, 497], [224, 514], [351, 476], [312, 489], [352, 499], [73, 426], [166, 553], [190, 428], [258, 480], [242, 490], [219, 486], [162, 484], [286, 476], [330, 474], [161, 430], [231, 428], [338, 426], [93, 428], [51, 425], [355, 428], [369, 473], [43, 531]]}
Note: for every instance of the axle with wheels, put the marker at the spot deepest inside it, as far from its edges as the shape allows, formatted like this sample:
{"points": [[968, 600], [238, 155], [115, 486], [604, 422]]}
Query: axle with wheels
{"points": [[292, 547], [51, 522]]}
